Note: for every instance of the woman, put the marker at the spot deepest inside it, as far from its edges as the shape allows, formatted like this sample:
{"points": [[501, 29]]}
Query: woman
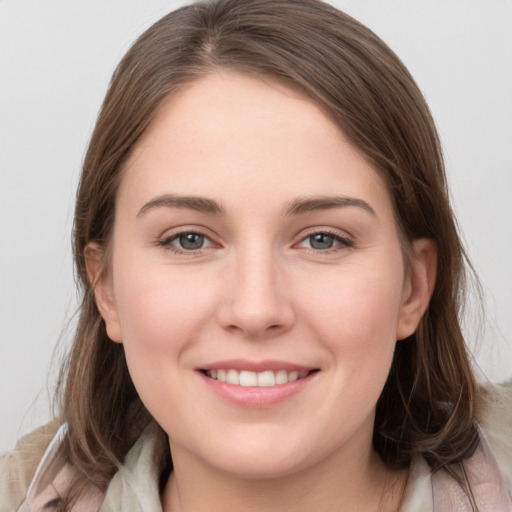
{"points": [[272, 277]]}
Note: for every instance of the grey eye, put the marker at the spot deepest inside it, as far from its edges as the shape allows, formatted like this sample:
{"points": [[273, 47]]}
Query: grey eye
{"points": [[321, 241], [191, 241]]}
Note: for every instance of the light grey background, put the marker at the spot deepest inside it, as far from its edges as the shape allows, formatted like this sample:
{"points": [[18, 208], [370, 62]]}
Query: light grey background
{"points": [[56, 58]]}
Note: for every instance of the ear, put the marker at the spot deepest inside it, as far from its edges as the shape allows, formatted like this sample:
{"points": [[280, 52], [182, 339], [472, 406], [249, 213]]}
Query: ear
{"points": [[101, 284], [418, 286]]}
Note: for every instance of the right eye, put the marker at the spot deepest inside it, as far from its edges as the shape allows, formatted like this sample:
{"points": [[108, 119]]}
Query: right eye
{"points": [[186, 241]]}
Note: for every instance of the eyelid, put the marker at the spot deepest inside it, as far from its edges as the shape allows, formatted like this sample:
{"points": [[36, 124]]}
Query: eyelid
{"points": [[187, 228]]}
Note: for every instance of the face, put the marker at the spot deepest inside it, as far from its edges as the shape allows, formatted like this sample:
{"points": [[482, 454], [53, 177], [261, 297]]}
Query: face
{"points": [[257, 282]]}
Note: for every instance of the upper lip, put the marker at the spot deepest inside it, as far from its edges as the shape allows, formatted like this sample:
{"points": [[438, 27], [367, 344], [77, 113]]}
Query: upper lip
{"points": [[255, 366]]}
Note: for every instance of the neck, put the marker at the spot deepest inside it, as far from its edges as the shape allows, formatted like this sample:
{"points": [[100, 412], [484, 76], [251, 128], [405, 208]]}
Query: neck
{"points": [[366, 484]]}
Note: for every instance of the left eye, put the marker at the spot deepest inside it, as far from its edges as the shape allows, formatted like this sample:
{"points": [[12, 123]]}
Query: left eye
{"points": [[189, 241], [323, 241]]}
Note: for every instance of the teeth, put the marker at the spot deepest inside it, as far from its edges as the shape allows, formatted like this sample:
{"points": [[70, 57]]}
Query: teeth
{"points": [[266, 379], [281, 377], [262, 379], [248, 378], [293, 376], [232, 377]]}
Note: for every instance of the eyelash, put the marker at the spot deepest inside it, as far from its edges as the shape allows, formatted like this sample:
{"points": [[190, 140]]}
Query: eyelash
{"points": [[342, 241]]}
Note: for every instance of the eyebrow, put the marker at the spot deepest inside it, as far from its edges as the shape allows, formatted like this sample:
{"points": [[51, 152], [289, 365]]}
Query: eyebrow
{"points": [[299, 206], [200, 204], [304, 205]]}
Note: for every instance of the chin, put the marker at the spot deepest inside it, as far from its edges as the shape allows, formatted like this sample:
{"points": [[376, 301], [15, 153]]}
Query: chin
{"points": [[252, 458], [257, 467]]}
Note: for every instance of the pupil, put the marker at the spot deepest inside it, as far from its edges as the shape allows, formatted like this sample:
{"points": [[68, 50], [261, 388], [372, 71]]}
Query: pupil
{"points": [[321, 241], [191, 241]]}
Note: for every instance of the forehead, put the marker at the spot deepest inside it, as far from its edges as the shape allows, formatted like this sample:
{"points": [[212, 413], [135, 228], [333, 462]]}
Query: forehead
{"points": [[228, 133], [226, 103]]}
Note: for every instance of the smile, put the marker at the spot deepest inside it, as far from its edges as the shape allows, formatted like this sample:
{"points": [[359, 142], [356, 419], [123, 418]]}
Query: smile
{"points": [[265, 378], [257, 384]]}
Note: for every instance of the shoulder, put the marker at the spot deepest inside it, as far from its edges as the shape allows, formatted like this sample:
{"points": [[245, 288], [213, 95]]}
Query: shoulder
{"points": [[18, 466], [496, 424]]}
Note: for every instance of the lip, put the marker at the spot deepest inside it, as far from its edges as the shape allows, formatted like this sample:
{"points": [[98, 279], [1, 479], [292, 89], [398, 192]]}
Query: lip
{"points": [[256, 397], [255, 366]]}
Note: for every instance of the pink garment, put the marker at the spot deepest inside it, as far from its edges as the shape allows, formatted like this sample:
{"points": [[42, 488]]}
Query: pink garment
{"points": [[488, 492]]}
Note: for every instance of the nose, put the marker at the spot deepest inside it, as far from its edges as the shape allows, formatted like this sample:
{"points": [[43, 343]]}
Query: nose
{"points": [[256, 302]]}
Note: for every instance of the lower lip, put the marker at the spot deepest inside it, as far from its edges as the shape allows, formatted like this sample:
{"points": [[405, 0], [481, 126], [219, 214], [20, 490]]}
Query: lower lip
{"points": [[257, 397]]}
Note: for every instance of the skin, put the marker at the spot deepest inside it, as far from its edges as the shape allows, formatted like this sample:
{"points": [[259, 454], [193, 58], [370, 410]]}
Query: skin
{"points": [[260, 288]]}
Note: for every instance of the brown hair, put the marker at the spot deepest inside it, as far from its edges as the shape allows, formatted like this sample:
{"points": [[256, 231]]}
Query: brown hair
{"points": [[430, 402]]}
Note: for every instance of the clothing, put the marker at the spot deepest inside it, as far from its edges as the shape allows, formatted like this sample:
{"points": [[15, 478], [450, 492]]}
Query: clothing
{"points": [[134, 487]]}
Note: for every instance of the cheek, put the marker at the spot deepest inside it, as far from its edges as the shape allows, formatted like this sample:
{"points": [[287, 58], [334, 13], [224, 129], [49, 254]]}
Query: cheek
{"points": [[357, 322], [162, 314], [161, 311], [358, 308], [356, 317]]}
